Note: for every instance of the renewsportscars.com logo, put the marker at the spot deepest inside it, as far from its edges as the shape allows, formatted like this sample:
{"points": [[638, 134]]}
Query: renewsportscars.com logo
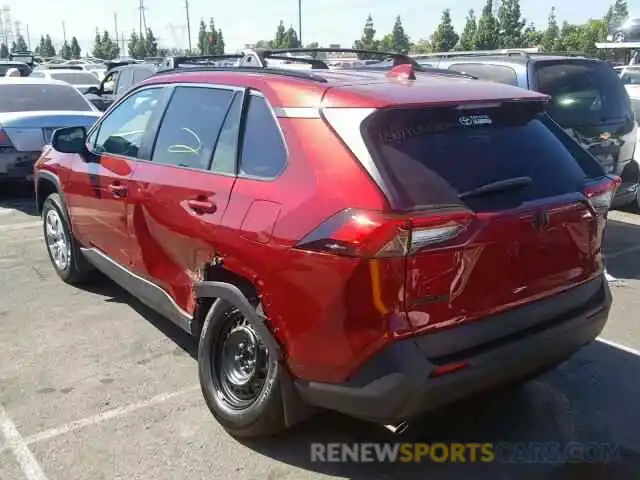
{"points": [[533, 452]]}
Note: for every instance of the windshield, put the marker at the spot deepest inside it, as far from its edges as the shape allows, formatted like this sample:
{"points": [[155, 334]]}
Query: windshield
{"points": [[33, 98], [76, 78], [583, 92]]}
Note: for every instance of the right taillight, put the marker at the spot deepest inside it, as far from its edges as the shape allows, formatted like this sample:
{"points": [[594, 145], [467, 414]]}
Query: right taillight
{"points": [[600, 193], [360, 233]]}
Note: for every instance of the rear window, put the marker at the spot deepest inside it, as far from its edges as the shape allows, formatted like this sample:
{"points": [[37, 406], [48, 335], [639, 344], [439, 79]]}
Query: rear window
{"points": [[31, 98], [76, 78], [583, 93], [430, 157]]}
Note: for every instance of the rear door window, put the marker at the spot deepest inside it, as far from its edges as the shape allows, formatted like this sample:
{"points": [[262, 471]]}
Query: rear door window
{"points": [[493, 73], [583, 92], [191, 125], [430, 157]]}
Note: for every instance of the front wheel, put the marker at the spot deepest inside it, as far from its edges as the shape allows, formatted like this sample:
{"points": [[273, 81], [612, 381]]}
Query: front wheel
{"points": [[239, 378], [65, 255]]}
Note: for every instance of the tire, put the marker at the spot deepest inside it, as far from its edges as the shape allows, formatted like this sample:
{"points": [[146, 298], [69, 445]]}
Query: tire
{"points": [[258, 410], [619, 37], [75, 270], [634, 207]]}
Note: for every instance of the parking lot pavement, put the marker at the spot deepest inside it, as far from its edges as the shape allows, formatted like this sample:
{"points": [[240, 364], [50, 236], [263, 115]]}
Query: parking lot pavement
{"points": [[95, 386]]}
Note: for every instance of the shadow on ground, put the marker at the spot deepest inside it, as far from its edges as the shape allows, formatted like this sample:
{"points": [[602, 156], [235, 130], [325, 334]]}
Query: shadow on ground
{"points": [[622, 249], [19, 197], [591, 399]]}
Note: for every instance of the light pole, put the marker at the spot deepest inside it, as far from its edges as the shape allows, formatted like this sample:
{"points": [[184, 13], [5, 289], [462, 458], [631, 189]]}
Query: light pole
{"points": [[300, 22]]}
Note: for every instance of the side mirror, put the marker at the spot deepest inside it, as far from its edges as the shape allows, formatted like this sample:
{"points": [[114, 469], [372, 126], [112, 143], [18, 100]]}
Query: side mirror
{"points": [[69, 139], [92, 91]]}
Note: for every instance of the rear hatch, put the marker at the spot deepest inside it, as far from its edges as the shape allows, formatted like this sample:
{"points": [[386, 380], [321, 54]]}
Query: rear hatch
{"points": [[495, 209], [589, 100]]}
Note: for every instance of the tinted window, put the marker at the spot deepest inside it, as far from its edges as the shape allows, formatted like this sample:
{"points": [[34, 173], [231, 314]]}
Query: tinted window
{"points": [[109, 82], [583, 92], [78, 78], [493, 73], [140, 74], [124, 81], [30, 98], [122, 131], [263, 151], [224, 158], [432, 156], [190, 126]]}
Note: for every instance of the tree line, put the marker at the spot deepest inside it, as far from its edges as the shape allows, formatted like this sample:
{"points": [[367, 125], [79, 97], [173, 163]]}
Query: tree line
{"points": [[45, 48], [504, 28]]}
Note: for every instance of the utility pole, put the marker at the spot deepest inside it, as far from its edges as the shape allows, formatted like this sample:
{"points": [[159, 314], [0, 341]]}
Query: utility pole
{"points": [[186, 6], [64, 32], [141, 7], [28, 37], [115, 21], [300, 22]]}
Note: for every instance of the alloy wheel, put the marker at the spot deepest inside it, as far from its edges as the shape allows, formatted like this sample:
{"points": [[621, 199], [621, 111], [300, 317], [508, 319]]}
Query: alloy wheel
{"points": [[57, 241]]}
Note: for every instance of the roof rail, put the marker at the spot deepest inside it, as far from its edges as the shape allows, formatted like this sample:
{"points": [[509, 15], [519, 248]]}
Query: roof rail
{"points": [[398, 58], [271, 71], [474, 53]]}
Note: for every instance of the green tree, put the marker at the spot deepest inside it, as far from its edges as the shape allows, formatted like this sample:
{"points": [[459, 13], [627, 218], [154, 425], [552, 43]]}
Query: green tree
{"points": [[65, 51], [422, 46], [620, 12], [203, 39], [531, 37], [97, 46], [220, 45], [48, 50], [511, 23], [150, 44], [132, 44], [445, 36], [4, 50], [290, 39], [212, 38], [400, 40], [488, 33], [368, 39], [279, 39], [467, 39], [75, 48], [551, 40], [109, 48], [264, 44], [21, 44]]}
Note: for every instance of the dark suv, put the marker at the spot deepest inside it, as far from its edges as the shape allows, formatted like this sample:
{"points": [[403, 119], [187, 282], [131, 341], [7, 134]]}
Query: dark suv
{"points": [[117, 81], [587, 99], [377, 243]]}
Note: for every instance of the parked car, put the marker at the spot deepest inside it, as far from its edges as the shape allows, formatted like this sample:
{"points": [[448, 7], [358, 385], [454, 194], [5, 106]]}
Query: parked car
{"points": [[116, 82], [629, 31], [80, 79], [30, 110], [588, 100], [6, 65], [376, 243]]}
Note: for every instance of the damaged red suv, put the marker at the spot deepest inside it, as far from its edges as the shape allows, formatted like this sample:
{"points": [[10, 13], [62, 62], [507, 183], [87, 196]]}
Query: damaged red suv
{"points": [[376, 243]]}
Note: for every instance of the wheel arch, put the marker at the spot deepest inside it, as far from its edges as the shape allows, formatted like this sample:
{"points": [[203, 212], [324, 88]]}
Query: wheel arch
{"points": [[46, 184]]}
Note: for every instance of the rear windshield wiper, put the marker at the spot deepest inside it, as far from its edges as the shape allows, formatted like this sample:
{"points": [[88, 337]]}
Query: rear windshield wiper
{"points": [[497, 187]]}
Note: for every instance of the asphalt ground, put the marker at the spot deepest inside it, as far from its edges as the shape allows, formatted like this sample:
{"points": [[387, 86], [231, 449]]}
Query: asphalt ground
{"points": [[93, 385]]}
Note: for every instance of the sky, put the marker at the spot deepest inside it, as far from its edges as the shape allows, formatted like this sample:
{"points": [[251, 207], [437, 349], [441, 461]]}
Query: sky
{"points": [[247, 21]]}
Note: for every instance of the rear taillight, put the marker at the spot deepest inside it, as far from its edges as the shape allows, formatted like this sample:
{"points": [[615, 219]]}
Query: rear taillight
{"points": [[600, 194], [5, 141], [359, 233]]}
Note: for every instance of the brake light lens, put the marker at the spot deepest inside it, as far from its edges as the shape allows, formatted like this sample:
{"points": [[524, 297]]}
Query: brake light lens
{"points": [[5, 141], [600, 194], [358, 233]]}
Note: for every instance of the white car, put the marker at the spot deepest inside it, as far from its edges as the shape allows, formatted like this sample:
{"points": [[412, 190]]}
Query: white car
{"points": [[80, 79]]}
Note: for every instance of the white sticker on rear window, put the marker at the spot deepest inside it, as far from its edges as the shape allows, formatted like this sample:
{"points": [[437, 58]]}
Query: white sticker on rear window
{"points": [[475, 120]]}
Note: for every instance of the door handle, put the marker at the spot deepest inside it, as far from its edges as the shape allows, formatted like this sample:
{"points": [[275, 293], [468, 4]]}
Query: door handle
{"points": [[201, 206], [118, 190]]}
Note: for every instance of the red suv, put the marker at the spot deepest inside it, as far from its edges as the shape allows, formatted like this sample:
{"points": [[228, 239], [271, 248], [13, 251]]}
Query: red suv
{"points": [[374, 243]]}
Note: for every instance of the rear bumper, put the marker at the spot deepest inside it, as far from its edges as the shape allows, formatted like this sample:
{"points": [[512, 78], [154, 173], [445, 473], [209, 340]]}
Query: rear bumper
{"points": [[396, 384], [17, 166]]}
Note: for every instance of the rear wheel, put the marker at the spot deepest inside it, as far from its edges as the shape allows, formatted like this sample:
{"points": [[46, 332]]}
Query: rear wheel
{"points": [[64, 252], [619, 37], [239, 378]]}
